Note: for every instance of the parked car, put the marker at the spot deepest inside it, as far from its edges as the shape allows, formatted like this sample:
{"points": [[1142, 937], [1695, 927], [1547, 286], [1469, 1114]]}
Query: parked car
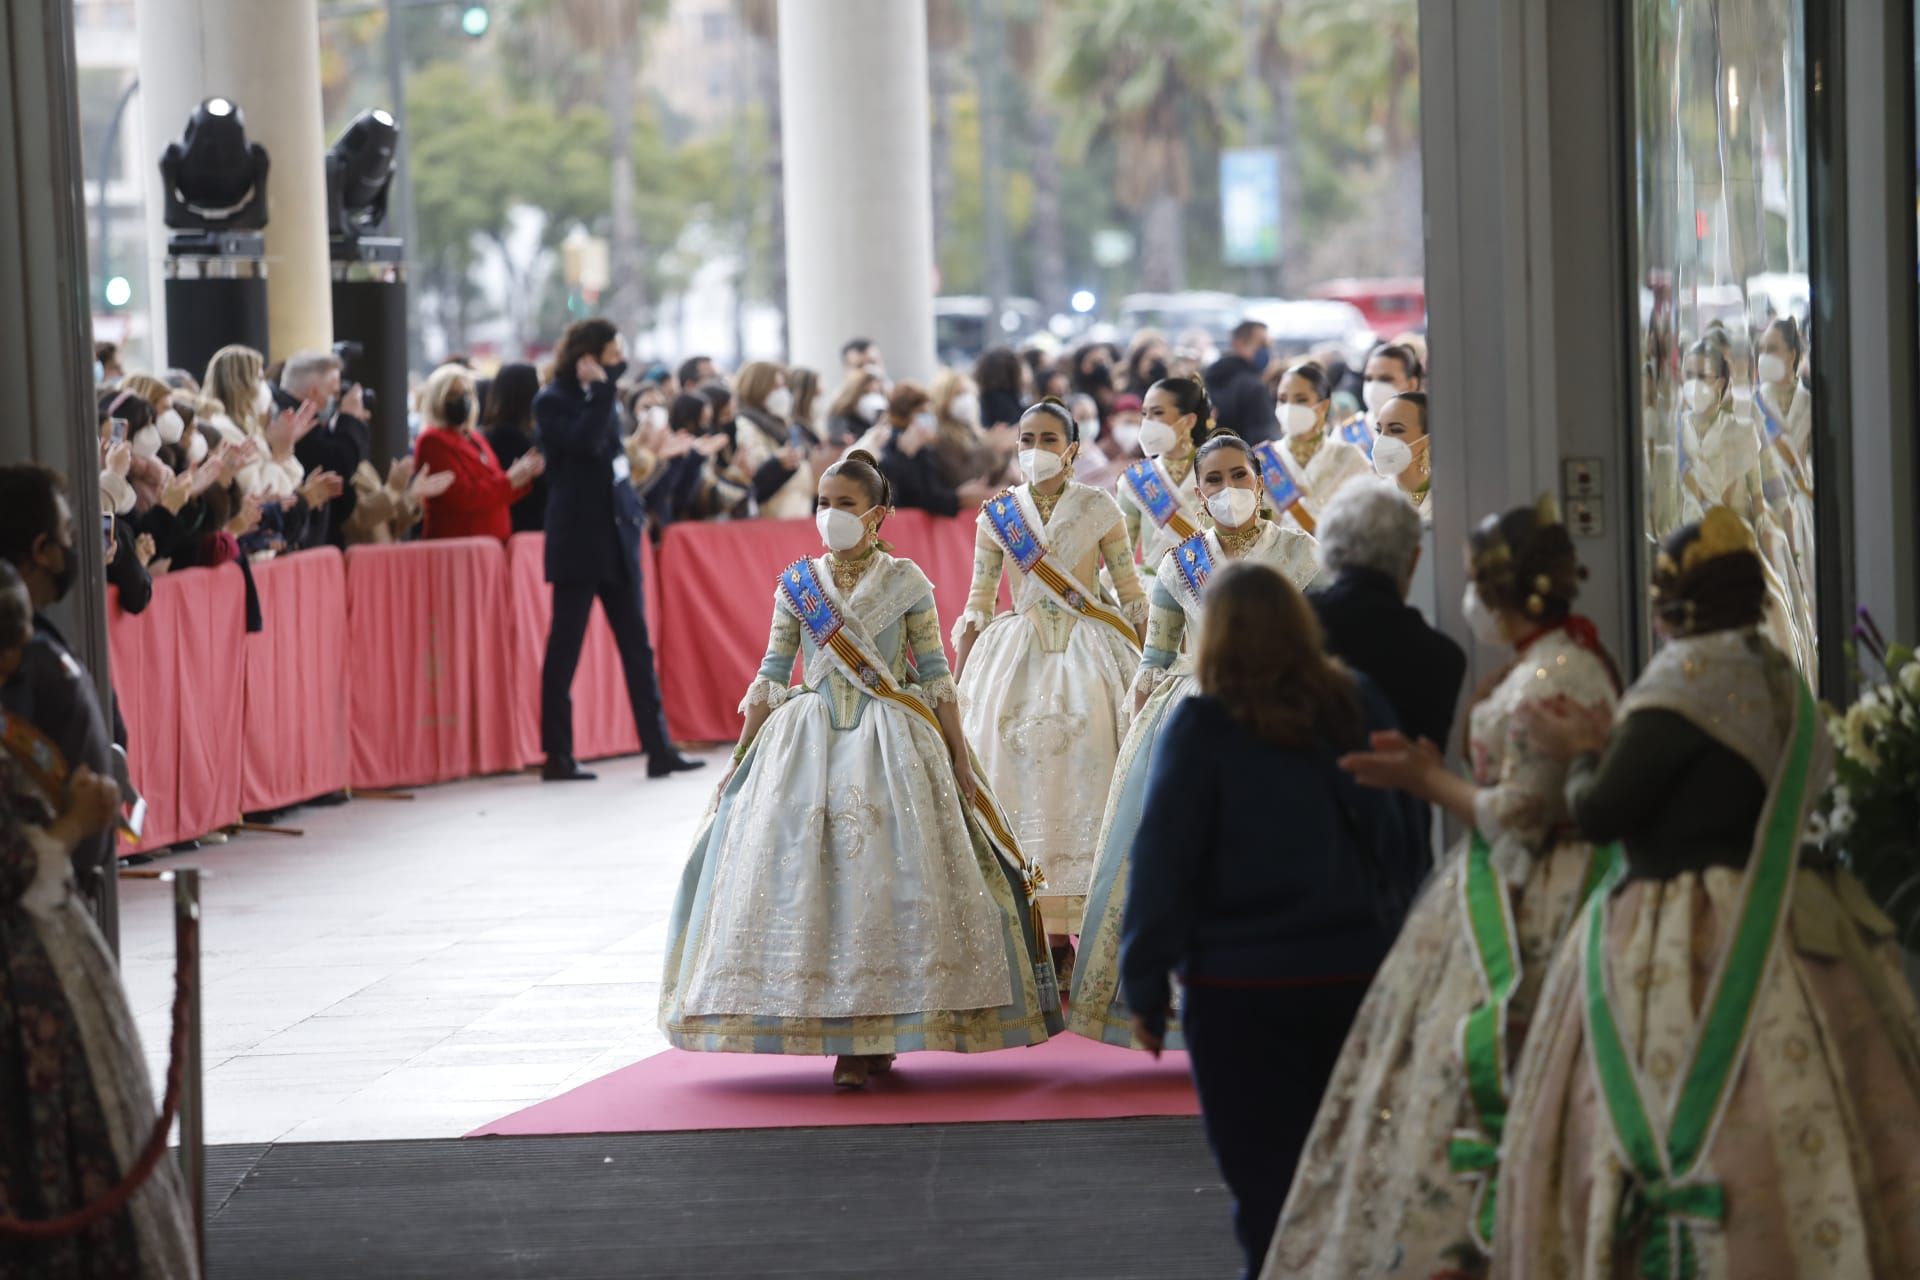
{"points": [[1392, 305], [1295, 327], [962, 327]]}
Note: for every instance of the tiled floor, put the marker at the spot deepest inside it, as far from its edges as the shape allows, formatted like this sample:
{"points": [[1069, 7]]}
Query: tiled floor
{"points": [[415, 969]]}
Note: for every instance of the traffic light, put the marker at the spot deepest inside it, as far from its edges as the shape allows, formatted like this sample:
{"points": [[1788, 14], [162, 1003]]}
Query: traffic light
{"points": [[474, 20]]}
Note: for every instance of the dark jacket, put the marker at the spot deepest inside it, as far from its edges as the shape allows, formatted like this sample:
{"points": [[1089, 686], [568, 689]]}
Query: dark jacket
{"points": [[340, 447], [1242, 403], [997, 407], [125, 573], [53, 692], [1258, 865], [773, 474], [916, 479], [845, 428], [510, 444], [1371, 629], [593, 520]]}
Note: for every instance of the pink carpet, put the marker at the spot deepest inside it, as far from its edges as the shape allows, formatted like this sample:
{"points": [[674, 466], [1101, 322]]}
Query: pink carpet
{"points": [[1067, 1078]]}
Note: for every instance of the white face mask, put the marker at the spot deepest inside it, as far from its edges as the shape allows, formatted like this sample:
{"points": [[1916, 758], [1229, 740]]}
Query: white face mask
{"points": [[1297, 419], [1376, 395], [1231, 508], [1699, 395], [171, 426], [1127, 434], [1089, 430], [779, 402], [145, 443], [1480, 619], [926, 422], [872, 405], [656, 417], [966, 407], [1773, 368], [1156, 437], [1039, 466], [840, 530], [197, 449], [263, 400], [1391, 456]]}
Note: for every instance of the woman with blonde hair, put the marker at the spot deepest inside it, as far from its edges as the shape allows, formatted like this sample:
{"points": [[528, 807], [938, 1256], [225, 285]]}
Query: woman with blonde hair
{"points": [[857, 408], [236, 381], [763, 442], [479, 501]]}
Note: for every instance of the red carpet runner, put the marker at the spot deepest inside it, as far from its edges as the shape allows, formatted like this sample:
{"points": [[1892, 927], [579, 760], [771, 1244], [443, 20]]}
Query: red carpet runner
{"points": [[1067, 1078]]}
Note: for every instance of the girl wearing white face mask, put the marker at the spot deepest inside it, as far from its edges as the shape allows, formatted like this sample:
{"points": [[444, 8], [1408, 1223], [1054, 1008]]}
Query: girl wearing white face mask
{"points": [[1230, 486], [1402, 454], [965, 452], [853, 799], [1320, 461], [783, 481], [1785, 409], [1046, 685], [1523, 867], [1175, 416]]}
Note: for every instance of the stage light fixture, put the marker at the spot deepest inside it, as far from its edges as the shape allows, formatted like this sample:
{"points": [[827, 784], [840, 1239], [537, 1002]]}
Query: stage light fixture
{"points": [[359, 175], [214, 179]]}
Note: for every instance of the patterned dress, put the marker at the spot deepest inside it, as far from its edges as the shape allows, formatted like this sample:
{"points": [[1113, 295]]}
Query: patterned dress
{"points": [[1097, 1010], [75, 1104], [1818, 1149], [842, 898], [1044, 697], [1376, 1194]]}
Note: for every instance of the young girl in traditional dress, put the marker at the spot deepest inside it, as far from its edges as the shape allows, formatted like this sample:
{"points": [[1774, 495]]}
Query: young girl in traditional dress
{"points": [[1317, 456], [1045, 688], [855, 891], [1723, 1078], [1157, 494], [1230, 484], [1395, 1177]]}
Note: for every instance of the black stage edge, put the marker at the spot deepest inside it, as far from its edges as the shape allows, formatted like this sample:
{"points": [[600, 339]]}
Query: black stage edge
{"points": [[216, 296], [370, 310], [1060, 1200]]}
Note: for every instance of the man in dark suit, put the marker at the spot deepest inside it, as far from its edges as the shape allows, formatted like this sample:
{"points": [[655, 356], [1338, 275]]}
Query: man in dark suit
{"points": [[341, 439], [594, 521], [1370, 543], [1242, 400]]}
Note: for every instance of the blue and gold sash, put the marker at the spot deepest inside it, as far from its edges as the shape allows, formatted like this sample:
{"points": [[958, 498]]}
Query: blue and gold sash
{"points": [[1008, 520], [1148, 484], [1194, 559], [1284, 489], [1359, 434], [1777, 437]]}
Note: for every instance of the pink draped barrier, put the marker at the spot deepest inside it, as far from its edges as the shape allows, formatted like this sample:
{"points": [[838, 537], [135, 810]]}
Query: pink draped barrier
{"points": [[420, 663]]}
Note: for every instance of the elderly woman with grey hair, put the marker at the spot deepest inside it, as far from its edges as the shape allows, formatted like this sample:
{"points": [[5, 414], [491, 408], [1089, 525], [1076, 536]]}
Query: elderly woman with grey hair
{"points": [[1369, 546]]}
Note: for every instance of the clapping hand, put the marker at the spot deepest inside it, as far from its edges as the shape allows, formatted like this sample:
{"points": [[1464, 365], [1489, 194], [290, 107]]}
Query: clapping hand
{"points": [[322, 487], [120, 459], [1395, 762], [678, 444], [143, 550], [289, 428], [526, 468], [354, 402], [710, 446], [428, 483], [249, 518]]}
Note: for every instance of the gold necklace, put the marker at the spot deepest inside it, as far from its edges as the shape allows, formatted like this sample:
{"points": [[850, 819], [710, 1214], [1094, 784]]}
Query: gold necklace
{"points": [[847, 573], [1237, 542], [1046, 502], [1305, 448], [1179, 468]]}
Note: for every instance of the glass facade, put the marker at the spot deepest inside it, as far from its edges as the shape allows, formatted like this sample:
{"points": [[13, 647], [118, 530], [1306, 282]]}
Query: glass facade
{"points": [[1720, 258]]}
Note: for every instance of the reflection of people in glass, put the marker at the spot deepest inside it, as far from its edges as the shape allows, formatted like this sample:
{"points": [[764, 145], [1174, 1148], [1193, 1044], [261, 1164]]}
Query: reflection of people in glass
{"points": [[1401, 452], [1785, 408]]}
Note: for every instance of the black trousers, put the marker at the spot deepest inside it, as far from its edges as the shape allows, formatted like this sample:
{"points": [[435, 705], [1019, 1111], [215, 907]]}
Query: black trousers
{"points": [[572, 609], [1261, 1058]]}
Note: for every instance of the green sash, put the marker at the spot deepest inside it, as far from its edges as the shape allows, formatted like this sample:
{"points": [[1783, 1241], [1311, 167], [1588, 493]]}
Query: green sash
{"points": [[1487, 909], [1671, 1192]]}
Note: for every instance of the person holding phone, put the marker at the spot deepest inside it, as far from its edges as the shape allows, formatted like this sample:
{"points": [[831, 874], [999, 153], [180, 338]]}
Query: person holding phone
{"points": [[594, 522]]}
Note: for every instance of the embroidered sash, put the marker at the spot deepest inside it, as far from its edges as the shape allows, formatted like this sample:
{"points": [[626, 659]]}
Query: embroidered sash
{"points": [[37, 756], [1194, 559], [1284, 489], [1008, 520], [1481, 1039], [1777, 437], [1360, 435], [1672, 1194], [842, 640], [1148, 482]]}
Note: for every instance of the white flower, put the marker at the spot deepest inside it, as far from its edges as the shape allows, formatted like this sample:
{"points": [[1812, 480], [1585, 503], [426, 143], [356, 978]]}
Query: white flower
{"points": [[1840, 821], [1856, 736], [1910, 677]]}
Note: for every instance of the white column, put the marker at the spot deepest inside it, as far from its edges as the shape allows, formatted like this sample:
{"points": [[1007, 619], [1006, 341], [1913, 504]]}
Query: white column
{"points": [[854, 128], [266, 57]]}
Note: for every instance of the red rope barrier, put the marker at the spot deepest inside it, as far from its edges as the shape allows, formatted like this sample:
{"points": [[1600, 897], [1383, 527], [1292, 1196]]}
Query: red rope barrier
{"points": [[184, 976]]}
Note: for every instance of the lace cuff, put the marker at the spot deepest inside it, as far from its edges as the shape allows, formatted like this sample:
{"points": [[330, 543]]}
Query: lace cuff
{"points": [[940, 691], [764, 693], [1149, 679], [972, 619]]}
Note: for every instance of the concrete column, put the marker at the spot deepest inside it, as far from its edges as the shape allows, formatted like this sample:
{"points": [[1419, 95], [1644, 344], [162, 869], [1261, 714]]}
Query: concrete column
{"points": [[46, 349], [854, 126], [266, 57]]}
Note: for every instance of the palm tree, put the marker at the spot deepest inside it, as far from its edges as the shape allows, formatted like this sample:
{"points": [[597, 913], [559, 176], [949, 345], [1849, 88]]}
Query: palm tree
{"points": [[1147, 74]]}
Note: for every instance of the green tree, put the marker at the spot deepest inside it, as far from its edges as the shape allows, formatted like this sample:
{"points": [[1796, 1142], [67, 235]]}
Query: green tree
{"points": [[1148, 74]]}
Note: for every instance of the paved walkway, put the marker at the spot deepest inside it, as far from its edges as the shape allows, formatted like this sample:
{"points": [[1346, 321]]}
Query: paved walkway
{"points": [[414, 969]]}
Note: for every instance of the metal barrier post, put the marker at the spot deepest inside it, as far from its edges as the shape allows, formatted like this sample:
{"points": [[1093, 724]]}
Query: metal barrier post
{"points": [[193, 1148]]}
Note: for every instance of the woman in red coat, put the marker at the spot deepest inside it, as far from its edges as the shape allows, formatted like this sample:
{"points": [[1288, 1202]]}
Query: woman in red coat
{"points": [[479, 502]]}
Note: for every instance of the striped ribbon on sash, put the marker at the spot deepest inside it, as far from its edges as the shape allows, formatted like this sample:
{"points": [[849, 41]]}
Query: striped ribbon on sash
{"points": [[800, 584], [1018, 540], [1155, 494], [1672, 1194]]}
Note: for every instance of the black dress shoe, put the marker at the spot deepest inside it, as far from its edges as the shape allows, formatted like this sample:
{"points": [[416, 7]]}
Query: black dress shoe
{"points": [[565, 771], [672, 762]]}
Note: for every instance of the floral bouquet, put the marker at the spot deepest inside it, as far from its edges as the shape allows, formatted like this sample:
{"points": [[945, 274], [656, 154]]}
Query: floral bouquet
{"points": [[1871, 814]]}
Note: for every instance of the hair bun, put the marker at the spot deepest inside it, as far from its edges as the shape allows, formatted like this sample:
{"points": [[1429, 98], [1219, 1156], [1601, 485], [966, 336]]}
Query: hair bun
{"points": [[861, 455]]}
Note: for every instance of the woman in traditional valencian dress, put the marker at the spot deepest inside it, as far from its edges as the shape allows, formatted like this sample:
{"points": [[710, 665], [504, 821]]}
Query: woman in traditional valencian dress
{"points": [[1044, 689], [76, 1109], [1157, 494], [1395, 1178], [1230, 484], [855, 891], [1724, 1075], [1317, 456]]}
